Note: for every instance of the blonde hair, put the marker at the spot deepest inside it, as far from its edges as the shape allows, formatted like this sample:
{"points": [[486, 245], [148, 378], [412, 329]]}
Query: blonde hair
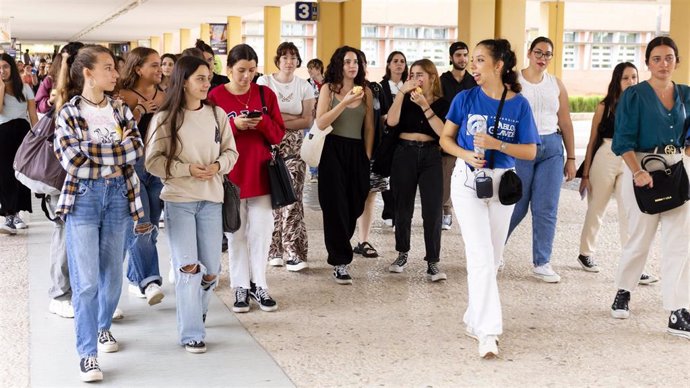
{"points": [[429, 68]]}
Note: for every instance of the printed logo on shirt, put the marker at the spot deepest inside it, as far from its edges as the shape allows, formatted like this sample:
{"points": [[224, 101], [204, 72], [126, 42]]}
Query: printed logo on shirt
{"points": [[476, 123]]}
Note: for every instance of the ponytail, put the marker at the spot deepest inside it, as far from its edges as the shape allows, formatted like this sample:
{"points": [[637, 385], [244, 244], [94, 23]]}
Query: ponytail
{"points": [[501, 51], [71, 82]]}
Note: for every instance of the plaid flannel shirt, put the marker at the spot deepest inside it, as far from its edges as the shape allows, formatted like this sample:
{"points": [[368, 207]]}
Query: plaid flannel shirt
{"points": [[83, 159]]}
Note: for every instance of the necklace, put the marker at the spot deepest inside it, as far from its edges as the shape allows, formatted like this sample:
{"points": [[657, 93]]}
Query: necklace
{"points": [[93, 103], [245, 103], [661, 94]]}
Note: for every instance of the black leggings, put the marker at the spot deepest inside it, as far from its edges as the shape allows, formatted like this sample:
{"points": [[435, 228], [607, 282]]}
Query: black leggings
{"points": [[343, 190], [418, 164]]}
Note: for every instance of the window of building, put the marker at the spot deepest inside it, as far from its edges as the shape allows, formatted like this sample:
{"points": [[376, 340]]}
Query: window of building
{"points": [[627, 54], [293, 29], [405, 32], [602, 37], [627, 37], [369, 31], [601, 56], [370, 47], [257, 43], [569, 56], [569, 36]]}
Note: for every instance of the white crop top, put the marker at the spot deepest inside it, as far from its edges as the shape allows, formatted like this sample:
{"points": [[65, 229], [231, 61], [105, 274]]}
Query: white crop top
{"points": [[543, 99]]}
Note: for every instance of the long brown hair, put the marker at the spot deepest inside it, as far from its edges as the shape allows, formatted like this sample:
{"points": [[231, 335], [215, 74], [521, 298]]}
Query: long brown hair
{"points": [[173, 107], [71, 81], [135, 59], [429, 68]]}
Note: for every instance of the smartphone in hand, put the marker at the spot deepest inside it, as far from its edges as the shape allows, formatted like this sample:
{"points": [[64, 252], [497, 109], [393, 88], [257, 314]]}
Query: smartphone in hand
{"points": [[253, 115]]}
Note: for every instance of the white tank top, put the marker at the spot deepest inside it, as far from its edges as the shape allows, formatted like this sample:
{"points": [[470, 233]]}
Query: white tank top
{"points": [[543, 99]]}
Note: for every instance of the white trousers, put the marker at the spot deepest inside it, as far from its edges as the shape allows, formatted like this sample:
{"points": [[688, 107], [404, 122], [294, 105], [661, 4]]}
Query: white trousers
{"points": [[484, 225], [606, 179], [675, 225], [248, 247]]}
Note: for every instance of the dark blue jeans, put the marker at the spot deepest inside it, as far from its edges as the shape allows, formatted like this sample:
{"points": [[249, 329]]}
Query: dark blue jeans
{"points": [[141, 245]]}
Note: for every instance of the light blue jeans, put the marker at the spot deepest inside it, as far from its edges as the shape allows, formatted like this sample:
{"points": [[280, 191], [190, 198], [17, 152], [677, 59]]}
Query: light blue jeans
{"points": [[141, 246], [541, 188], [195, 231], [95, 237]]}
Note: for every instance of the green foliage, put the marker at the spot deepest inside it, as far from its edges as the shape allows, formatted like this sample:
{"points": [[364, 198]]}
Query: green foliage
{"points": [[583, 103]]}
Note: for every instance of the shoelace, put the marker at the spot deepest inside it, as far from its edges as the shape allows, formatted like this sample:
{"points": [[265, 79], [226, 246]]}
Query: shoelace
{"points": [[194, 343], [401, 260], [91, 363], [105, 336], [341, 270], [262, 294], [619, 297], [588, 261], [433, 268], [241, 294]]}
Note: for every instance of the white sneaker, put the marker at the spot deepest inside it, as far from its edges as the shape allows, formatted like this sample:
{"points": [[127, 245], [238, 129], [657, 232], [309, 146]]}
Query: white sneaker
{"points": [[135, 291], [447, 222], [19, 223], [62, 308], [153, 294], [276, 262], [646, 279], [118, 314], [388, 222], [488, 347], [546, 273]]}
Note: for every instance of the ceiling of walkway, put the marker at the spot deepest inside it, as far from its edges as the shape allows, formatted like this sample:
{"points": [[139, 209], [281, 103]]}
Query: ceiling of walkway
{"points": [[118, 20]]}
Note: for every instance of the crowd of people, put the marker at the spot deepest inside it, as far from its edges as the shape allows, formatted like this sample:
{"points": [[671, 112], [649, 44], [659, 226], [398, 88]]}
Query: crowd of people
{"points": [[153, 134]]}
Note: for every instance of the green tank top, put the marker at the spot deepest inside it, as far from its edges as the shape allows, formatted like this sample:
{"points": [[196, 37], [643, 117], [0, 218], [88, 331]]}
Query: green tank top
{"points": [[349, 124]]}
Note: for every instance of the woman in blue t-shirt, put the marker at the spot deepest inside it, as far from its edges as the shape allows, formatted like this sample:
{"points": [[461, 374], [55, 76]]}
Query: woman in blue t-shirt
{"points": [[484, 222]]}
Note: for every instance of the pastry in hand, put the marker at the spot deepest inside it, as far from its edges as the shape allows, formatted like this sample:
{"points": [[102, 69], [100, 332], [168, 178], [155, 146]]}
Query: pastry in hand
{"points": [[357, 90], [418, 90]]}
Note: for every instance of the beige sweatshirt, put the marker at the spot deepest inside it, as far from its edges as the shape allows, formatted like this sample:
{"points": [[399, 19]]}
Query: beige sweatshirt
{"points": [[201, 142]]}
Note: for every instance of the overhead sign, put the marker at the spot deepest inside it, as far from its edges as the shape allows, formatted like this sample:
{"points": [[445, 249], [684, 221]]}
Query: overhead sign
{"points": [[306, 11]]}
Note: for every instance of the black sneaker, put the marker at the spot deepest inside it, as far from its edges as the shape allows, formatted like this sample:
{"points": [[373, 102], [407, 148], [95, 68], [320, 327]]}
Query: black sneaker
{"points": [[341, 275], [587, 263], [646, 279], [8, 227], [106, 342], [679, 323], [260, 296], [241, 300], [619, 308], [433, 273], [296, 265], [399, 264], [90, 371], [195, 347]]}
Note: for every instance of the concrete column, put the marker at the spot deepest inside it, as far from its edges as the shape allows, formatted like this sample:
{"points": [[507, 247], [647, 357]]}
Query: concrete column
{"points": [[510, 24], [680, 32], [133, 44], [156, 44], [205, 33], [272, 25], [234, 31], [168, 42], [477, 21], [351, 14], [185, 39], [328, 30], [552, 17]]}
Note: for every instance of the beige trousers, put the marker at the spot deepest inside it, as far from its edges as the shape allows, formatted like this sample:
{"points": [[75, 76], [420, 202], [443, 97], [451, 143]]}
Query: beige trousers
{"points": [[675, 228], [605, 178]]}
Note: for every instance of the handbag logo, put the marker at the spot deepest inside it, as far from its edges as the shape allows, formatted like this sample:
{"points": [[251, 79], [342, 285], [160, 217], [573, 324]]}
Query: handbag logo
{"points": [[663, 199]]}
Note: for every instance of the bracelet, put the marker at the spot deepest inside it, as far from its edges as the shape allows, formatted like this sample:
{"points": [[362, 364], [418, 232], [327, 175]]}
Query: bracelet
{"points": [[425, 110], [638, 172], [431, 117], [569, 158]]}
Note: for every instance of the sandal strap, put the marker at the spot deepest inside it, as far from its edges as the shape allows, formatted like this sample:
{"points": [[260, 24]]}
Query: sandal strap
{"points": [[368, 248]]}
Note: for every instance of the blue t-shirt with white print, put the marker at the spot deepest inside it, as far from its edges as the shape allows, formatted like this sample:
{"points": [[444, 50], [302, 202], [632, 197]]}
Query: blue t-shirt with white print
{"points": [[517, 124]]}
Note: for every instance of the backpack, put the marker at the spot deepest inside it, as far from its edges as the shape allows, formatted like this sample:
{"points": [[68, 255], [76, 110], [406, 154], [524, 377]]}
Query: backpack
{"points": [[35, 164]]}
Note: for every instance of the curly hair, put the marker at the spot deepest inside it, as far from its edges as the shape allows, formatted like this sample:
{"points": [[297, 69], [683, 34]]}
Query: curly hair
{"points": [[334, 71]]}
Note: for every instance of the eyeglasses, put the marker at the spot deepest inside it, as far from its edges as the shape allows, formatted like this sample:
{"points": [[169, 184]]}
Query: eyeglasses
{"points": [[540, 54]]}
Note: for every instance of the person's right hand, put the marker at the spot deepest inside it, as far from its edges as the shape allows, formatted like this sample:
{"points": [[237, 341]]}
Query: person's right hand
{"points": [[409, 86], [243, 123], [200, 171], [473, 159], [2, 87], [351, 97], [149, 105]]}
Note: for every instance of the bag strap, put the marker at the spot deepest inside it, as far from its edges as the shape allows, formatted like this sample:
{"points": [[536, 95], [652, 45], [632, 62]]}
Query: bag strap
{"points": [[652, 158], [686, 125], [490, 163], [264, 108], [44, 207]]}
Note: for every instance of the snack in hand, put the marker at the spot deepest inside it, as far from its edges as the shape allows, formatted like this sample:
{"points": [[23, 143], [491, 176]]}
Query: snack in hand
{"points": [[418, 90], [357, 90]]}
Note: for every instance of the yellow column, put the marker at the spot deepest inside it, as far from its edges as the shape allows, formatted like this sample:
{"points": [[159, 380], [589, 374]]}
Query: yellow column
{"points": [[510, 24], [351, 15], [328, 30], [234, 31], [168, 42], [272, 26], [185, 39], [552, 17], [205, 33], [476, 21], [156, 44], [680, 32], [133, 44]]}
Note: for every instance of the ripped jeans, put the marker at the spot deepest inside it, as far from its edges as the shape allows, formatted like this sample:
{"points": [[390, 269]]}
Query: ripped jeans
{"points": [[141, 240], [195, 230]]}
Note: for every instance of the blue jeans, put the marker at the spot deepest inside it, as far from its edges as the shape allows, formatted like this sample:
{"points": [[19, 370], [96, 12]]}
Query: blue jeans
{"points": [[313, 171], [195, 231], [541, 188], [141, 246], [95, 237]]}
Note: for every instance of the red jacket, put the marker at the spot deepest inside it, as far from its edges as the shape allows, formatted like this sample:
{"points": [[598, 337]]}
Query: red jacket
{"points": [[250, 172]]}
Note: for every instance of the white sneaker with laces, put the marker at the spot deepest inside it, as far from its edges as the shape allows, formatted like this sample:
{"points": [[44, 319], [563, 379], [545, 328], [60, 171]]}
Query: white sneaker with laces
{"points": [[153, 294], [546, 273], [276, 262], [8, 227], [62, 308], [447, 222], [488, 347], [19, 223], [135, 291]]}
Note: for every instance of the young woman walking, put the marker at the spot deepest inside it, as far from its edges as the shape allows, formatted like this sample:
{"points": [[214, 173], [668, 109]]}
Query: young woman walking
{"points": [[97, 142], [191, 147], [248, 247]]}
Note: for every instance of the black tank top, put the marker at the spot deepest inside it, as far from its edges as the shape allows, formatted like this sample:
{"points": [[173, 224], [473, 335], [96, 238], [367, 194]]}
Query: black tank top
{"points": [[145, 118], [607, 123]]}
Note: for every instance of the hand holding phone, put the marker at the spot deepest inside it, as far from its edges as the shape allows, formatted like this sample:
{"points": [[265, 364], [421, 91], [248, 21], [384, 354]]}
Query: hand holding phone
{"points": [[253, 115]]}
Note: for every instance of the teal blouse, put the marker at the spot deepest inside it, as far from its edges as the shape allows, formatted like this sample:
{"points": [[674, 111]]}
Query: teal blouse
{"points": [[643, 123]]}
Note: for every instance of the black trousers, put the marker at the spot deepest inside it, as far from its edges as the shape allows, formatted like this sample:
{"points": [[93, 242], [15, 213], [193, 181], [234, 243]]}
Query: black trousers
{"points": [[388, 212], [418, 164], [14, 196], [343, 190]]}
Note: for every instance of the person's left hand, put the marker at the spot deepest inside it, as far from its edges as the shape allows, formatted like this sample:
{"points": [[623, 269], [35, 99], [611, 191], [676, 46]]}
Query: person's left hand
{"points": [[419, 99], [569, 170]]}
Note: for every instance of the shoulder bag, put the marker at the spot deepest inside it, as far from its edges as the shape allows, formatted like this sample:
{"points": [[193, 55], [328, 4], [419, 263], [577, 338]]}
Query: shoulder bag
{"points": [[312, 145], [510, 187], [671, 187], [231, 196]]}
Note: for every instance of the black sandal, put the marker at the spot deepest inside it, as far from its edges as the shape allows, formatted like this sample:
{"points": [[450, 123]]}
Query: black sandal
{"points": [[366, 250]]}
